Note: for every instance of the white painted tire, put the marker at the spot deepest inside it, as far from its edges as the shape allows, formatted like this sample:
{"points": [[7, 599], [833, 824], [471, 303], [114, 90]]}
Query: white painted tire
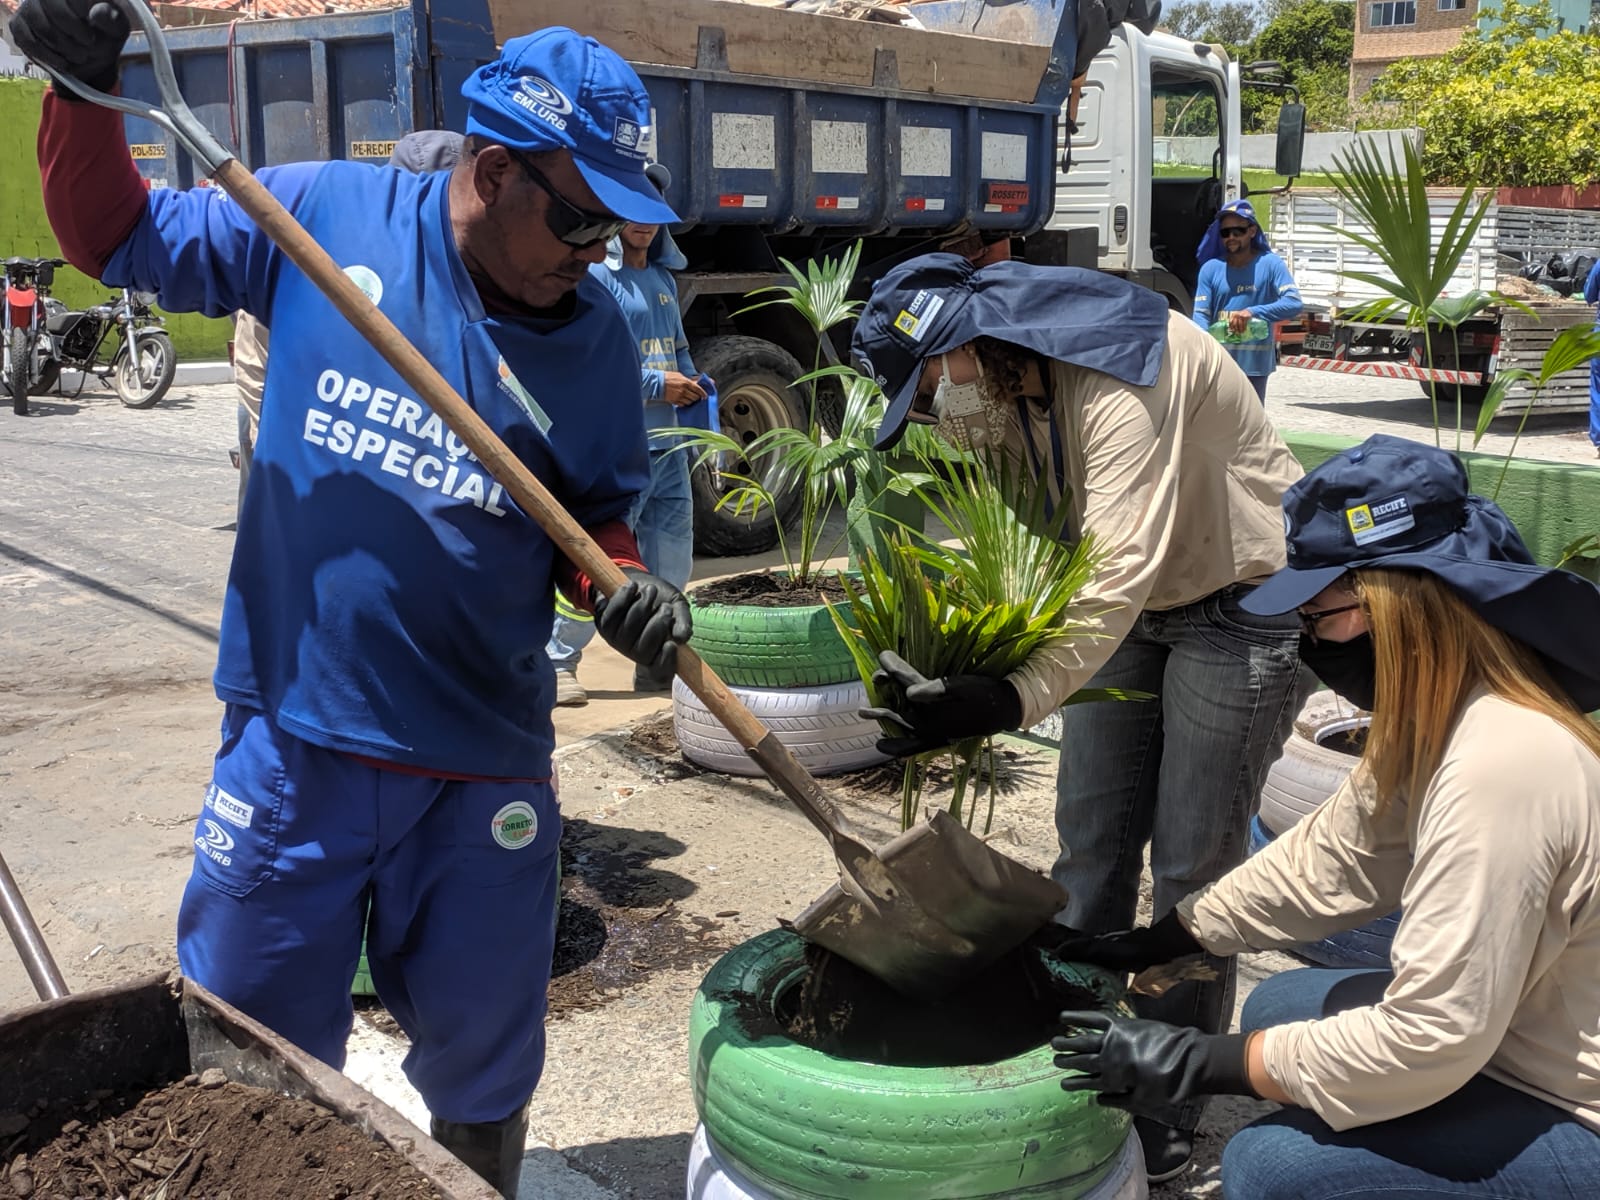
{"points": [[820, 726], [1310, 771], [713, 1176]]}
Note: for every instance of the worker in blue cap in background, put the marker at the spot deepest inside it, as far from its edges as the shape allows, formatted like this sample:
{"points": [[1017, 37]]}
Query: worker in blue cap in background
{"points": [[1244, 289], [385, 767]]}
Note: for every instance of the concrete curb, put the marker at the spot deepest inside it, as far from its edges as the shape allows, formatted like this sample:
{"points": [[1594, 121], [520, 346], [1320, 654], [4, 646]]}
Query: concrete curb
{"points": [[194, 374]]}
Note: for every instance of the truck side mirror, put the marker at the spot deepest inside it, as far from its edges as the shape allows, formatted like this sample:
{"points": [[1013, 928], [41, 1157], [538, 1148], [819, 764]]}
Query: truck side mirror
{"points": [[1291, 140]]}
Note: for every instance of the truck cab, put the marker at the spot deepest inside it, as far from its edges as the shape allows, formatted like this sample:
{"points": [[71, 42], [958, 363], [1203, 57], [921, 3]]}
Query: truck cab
{"points": [[1148, 150]]}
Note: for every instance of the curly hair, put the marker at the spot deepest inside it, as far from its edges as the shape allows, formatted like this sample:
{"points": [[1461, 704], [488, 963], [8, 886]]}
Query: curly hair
{"points": [[1006, 364]]}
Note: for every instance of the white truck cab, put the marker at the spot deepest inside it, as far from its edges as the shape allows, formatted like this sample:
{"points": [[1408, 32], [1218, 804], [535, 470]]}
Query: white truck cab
{"points": [[1156, 152]]}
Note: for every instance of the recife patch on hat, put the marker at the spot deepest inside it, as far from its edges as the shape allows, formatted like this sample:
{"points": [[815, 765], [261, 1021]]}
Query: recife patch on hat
{"points": [[1380, 521], [924, 307]]}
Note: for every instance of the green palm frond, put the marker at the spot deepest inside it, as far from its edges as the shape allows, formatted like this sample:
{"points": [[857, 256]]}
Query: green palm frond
{"points": [[819, 292]]}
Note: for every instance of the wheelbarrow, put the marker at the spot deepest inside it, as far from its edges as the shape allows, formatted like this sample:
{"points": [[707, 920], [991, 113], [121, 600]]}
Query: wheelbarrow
{"points": [[928, 910], [153, 1031]]}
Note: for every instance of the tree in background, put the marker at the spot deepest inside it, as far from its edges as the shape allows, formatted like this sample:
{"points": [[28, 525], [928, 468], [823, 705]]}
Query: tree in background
{"points": [[1511, 106], [1230, 25]]}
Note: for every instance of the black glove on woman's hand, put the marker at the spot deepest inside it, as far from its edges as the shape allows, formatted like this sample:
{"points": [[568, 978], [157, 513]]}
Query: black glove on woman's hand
{"points": [[647, 619], [939, 712], [1148, 1066], [1131, 950], [81, 38]]}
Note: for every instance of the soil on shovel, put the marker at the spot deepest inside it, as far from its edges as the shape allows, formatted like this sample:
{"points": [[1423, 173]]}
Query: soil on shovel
{"points": [[762, 589], [206, 1139], [839, 1009]]}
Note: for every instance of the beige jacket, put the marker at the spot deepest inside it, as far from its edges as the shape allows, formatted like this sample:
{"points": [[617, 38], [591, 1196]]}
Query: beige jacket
{"points": [[1497, 957], [1179, 484], [250, 365]]}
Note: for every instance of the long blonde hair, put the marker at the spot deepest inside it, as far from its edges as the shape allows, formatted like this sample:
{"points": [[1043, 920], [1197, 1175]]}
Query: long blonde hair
{"points": [[1432, 650]]}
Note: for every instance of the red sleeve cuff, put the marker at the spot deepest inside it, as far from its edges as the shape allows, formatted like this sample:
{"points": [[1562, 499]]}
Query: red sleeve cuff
{"points": [[617, 541], [93, 193]]}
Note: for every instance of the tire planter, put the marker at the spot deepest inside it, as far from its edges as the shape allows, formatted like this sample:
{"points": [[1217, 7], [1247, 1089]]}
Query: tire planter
{"points": [[713, 1176], [751, 646], [819, 724], [1367, 945], [1311, 769], [800, 1124]]}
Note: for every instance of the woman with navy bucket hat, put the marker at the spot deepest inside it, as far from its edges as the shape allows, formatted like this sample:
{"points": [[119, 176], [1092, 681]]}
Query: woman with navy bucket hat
{"points": [[1138, 422], [1471, 1068], [1247, 287]]}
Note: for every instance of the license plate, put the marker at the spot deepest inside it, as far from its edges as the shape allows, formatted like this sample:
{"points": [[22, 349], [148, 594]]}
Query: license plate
{"points": [[1322, 342]]}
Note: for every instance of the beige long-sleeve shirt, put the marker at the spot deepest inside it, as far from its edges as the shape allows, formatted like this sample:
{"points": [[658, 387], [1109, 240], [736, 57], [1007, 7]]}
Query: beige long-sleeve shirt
{"points": [[1497, 956], [1179, 484]]}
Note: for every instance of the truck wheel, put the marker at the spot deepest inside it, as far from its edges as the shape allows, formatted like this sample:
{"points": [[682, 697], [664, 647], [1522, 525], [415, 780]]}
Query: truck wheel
{"points": [[1472, 394], [755, 393]]}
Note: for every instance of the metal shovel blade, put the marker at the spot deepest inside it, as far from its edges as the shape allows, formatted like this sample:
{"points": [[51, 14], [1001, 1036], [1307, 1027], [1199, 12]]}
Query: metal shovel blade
{"points": [[961, 905]]}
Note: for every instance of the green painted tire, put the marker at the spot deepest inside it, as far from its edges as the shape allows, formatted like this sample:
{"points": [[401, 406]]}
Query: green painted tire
{"points": [[808, 1126], [772, 647]]}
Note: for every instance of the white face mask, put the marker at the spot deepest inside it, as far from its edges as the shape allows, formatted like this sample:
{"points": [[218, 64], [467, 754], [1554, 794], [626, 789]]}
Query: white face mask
{"points": [[967, 415]]}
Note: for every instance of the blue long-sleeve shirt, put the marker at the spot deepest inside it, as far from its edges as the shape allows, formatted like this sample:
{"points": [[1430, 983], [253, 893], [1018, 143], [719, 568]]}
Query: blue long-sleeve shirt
{"points": [[1591, 289], [386, 597], [1265, 287], [648, 297]]}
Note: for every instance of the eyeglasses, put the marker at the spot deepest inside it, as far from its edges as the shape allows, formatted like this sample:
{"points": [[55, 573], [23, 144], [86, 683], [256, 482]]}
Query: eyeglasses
{"points": [[575, 226], [1308, 620], [1233, 231]]}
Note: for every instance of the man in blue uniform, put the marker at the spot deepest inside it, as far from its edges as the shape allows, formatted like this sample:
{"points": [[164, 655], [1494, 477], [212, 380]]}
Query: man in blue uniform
{"points": [[1243, 283], [385, 767]]}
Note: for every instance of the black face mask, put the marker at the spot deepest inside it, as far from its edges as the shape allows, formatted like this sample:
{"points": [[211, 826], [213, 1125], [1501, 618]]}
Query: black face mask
{"points": [[1349, 668]]}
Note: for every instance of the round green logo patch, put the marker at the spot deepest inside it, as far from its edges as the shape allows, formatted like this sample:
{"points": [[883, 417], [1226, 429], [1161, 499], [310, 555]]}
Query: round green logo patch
{"points": [[515, 825]]}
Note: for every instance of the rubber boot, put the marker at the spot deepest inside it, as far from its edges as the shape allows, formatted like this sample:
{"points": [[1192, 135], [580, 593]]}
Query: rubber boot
{"points": [[493, 1149]]}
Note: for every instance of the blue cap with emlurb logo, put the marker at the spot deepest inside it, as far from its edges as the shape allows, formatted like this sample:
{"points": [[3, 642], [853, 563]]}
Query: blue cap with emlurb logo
{"points": [[558, 90]]}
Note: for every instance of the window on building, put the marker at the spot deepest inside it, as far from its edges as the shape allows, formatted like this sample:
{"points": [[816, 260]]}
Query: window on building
{"points": [[1393, 12], [1452, 5]]}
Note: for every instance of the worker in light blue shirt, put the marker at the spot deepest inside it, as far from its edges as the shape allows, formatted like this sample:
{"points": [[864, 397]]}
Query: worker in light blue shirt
{"points": [[637, 271], [1243, 290]]}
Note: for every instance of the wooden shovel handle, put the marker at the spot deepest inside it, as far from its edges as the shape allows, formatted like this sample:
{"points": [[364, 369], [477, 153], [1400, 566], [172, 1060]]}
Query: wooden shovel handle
{"points": [[508, 470]]}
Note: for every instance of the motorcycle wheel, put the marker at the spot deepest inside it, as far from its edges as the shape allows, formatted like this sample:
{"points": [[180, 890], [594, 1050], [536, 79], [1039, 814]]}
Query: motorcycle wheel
{"points": [[49, 372], [143, 384], [17, 371]]}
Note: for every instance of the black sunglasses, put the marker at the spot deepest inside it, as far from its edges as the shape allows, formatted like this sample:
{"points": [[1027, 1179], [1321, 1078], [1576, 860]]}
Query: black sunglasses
{"points": [[575, 226], [1229, 231], [1308, 620]]}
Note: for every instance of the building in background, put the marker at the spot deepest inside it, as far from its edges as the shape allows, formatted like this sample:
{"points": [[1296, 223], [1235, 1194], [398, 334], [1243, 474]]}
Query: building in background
{"points": [[1389, 30]]}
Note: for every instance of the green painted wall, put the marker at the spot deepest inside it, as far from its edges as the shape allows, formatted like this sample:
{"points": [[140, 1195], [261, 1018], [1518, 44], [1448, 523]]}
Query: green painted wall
{"points": [[1552, 504], [25, 233]]}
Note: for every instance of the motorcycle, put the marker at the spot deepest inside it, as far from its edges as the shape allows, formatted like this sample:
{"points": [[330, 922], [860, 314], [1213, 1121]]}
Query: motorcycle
{"points": [[29, 357], [140, 368]]}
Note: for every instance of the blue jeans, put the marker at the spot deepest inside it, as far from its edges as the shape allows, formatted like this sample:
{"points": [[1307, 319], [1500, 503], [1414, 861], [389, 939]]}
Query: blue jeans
{"points": [[662, 520], [300, 851], [1181, 773], [1485, 1140], [1594, 401], [1259, 382]]}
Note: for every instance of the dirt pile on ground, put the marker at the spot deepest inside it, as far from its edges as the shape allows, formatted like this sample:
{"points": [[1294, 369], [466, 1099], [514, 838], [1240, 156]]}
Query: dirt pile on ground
{"points": [[206, 1139]]}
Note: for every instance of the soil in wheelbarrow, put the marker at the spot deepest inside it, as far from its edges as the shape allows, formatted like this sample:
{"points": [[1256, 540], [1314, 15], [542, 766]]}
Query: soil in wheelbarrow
{"points": [[1015, 1005], [201, 1139], [761, 589]]}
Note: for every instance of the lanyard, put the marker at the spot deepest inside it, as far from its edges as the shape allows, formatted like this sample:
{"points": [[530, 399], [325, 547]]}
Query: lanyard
{"points": [[1057, 455]]}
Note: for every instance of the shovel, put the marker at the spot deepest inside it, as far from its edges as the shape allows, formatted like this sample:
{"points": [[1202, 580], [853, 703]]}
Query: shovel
{"points": [[936, 905]]}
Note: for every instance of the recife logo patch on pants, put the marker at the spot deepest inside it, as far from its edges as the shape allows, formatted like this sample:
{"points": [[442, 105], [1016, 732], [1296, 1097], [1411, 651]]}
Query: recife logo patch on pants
{"points": [[515, 825]]}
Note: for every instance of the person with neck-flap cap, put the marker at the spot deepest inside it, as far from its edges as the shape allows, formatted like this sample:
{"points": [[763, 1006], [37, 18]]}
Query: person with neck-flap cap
{"points": [[1470, 1066], [1140, 423]]}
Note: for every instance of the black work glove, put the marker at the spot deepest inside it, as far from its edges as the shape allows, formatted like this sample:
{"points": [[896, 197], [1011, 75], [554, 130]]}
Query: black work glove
{"points": [[1148, 1067], [939, 712], [1131, 950], [647, 619], [81, 38]]}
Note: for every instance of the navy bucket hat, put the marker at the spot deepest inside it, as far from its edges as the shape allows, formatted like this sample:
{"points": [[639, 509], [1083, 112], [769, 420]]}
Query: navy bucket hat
{"points": [[558, 90], [1395, 504], [936, 302]]}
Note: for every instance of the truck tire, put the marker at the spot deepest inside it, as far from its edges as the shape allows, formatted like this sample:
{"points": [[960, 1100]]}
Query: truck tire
{"points": [[755, 393]]}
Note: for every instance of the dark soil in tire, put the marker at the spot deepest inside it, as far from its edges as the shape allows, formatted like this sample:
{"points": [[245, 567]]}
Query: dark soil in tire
{"points": [[762, 589], [190, 1141], [1347, 741], [839, 1009]]}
